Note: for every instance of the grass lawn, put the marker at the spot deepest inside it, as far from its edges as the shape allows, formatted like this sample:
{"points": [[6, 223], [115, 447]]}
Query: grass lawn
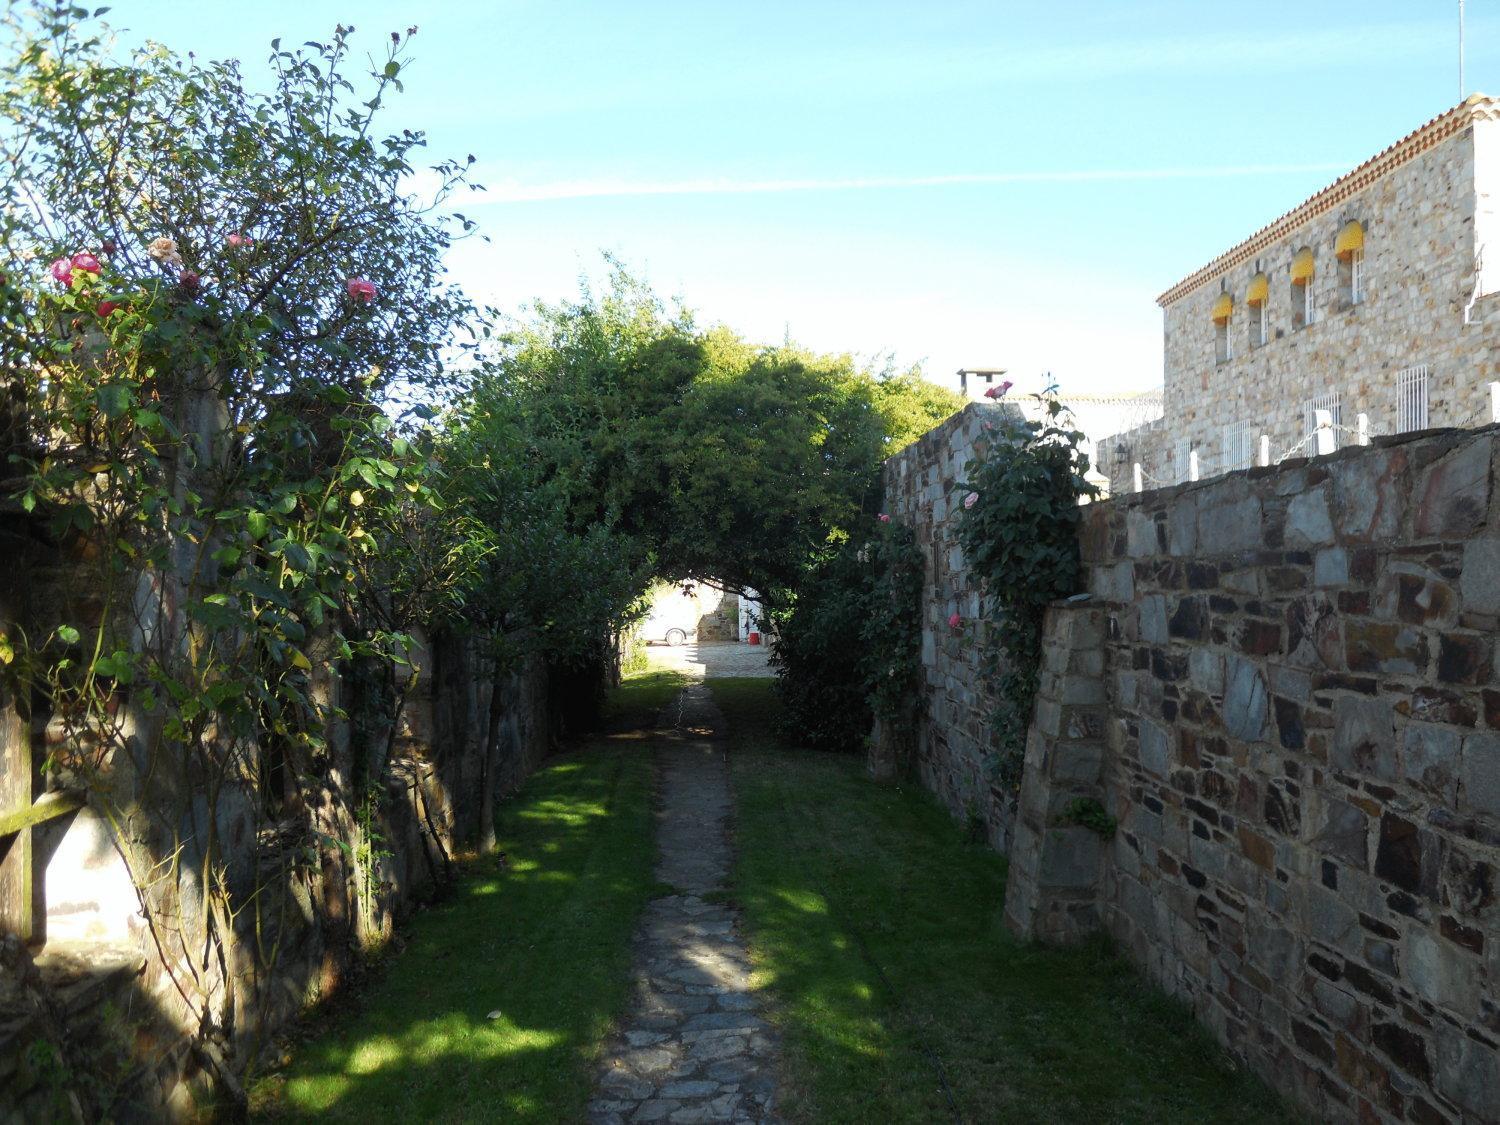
{"points": [[835, 873], [635, 703], [545, 941]]}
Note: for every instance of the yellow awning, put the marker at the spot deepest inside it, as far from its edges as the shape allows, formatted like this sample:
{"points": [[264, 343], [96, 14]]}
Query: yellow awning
{"points": [[1302, 267], [1350, 239], [1223, 307], [1260, 289]]}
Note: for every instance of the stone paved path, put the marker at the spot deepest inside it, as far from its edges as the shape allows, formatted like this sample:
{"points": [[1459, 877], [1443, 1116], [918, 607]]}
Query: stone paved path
{"points": [[692, 1047]]}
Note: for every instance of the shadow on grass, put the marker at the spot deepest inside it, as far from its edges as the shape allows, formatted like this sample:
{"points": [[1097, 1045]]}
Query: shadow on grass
{"points": [[838, 875], [632, 707], [540, 941]]}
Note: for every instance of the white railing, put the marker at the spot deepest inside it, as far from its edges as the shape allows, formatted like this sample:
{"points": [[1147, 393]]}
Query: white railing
{"points": [[1325, 435], [1412, 396]]}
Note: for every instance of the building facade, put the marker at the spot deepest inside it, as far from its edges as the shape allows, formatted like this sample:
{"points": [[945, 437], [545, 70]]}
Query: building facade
{"points": [[1369, 308]]}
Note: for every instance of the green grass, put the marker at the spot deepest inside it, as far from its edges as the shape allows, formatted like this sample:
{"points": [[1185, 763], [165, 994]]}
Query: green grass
{"points": [[635, 703], [837, 874], [545, 941]]}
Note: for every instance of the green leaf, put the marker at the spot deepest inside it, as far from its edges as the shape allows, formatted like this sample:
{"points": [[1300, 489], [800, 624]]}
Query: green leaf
{"points": [[67, 634]]}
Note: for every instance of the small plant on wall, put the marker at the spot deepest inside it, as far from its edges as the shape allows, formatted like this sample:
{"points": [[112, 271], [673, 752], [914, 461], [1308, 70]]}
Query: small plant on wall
{"points": [[1019, 533]]}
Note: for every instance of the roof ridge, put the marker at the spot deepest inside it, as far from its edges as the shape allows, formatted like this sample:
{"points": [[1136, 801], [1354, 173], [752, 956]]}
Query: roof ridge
{"points": [[1420, 139]]}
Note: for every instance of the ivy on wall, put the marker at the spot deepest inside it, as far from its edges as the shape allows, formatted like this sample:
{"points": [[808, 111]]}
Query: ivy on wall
{"points": [[1020, 536]]}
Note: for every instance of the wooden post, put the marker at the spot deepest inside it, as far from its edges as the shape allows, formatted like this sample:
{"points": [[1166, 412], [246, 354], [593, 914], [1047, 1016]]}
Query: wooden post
{"points": [[17, 856], [1140, 483], [1362, 429], [17, 789], [1494, 403], [1265, 451], [1192, 464]]}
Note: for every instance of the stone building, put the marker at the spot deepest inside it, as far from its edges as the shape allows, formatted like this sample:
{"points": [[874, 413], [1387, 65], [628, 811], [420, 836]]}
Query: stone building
{"points": [[1369, 308]]}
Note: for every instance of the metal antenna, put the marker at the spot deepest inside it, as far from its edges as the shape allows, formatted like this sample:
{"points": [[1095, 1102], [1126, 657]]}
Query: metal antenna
{"points": [[1461, 86]]}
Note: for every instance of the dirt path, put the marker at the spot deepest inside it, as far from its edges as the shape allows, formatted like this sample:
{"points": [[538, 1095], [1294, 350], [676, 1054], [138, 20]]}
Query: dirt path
{"points": [[692, 1047]]}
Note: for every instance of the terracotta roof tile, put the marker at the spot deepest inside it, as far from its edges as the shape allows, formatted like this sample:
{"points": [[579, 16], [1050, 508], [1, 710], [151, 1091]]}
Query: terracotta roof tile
{"points": [[1418, 141]]}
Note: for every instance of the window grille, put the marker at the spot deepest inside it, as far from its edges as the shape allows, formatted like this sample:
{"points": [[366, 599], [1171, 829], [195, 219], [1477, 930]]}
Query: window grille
{"points": [[1411, 399], [1238, 446], [1184, 450], [1330, 403]]}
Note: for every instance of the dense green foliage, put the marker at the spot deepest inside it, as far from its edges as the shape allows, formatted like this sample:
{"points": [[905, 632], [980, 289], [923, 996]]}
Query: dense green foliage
{"points": [[876, 928], [1020, 538], [198, 394], [703, 456], [242, 400], [849, 641]]}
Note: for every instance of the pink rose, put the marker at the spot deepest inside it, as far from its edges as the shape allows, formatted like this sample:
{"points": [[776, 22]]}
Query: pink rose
{"points": [[237, 240], [954, 621], [62, 271], [884, 518], [971, 499], [998, 390], [107, 307], [361, 291], [86, 262]]}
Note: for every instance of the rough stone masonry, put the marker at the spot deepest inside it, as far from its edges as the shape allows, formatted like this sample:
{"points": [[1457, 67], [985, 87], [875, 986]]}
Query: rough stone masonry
{"points": [[1296, 674], [693, 1047]]}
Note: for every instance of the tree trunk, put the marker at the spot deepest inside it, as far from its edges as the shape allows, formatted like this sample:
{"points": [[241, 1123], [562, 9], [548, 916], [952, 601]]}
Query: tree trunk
{"points": [[488, 779]]}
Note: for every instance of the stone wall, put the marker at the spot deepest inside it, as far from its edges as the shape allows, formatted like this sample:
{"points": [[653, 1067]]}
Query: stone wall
{"points": [[1432, 243], [953, 734], [374, 828], [1303, 753]]}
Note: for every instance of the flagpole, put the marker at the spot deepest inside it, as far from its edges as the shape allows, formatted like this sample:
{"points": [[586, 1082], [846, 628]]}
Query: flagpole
{"points": [[1461, 87]]}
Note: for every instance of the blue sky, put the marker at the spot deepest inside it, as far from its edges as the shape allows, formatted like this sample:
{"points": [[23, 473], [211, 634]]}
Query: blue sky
{"points": [[964, 184]]}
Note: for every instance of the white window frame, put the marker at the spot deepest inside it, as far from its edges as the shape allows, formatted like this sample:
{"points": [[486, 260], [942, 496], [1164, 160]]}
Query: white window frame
{"points": [[1413, 398], [1307, 303], [1356, 276], [1262, 325]]}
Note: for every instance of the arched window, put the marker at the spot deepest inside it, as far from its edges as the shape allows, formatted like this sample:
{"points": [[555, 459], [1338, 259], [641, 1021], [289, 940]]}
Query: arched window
{"points": [[1224, 341], [1258, 300], [1349, 248], [1302, 288]]}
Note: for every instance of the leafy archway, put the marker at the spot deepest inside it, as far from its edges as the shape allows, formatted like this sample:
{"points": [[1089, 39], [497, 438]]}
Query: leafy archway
{"points": [[612, 442]]}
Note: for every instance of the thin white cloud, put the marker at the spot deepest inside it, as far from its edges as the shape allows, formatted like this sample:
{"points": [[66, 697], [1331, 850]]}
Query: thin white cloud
{"points": [[513, 192]]}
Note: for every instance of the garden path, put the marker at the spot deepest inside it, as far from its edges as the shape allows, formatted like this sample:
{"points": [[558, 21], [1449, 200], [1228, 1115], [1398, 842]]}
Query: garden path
{"points": [[691, 1048]]}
